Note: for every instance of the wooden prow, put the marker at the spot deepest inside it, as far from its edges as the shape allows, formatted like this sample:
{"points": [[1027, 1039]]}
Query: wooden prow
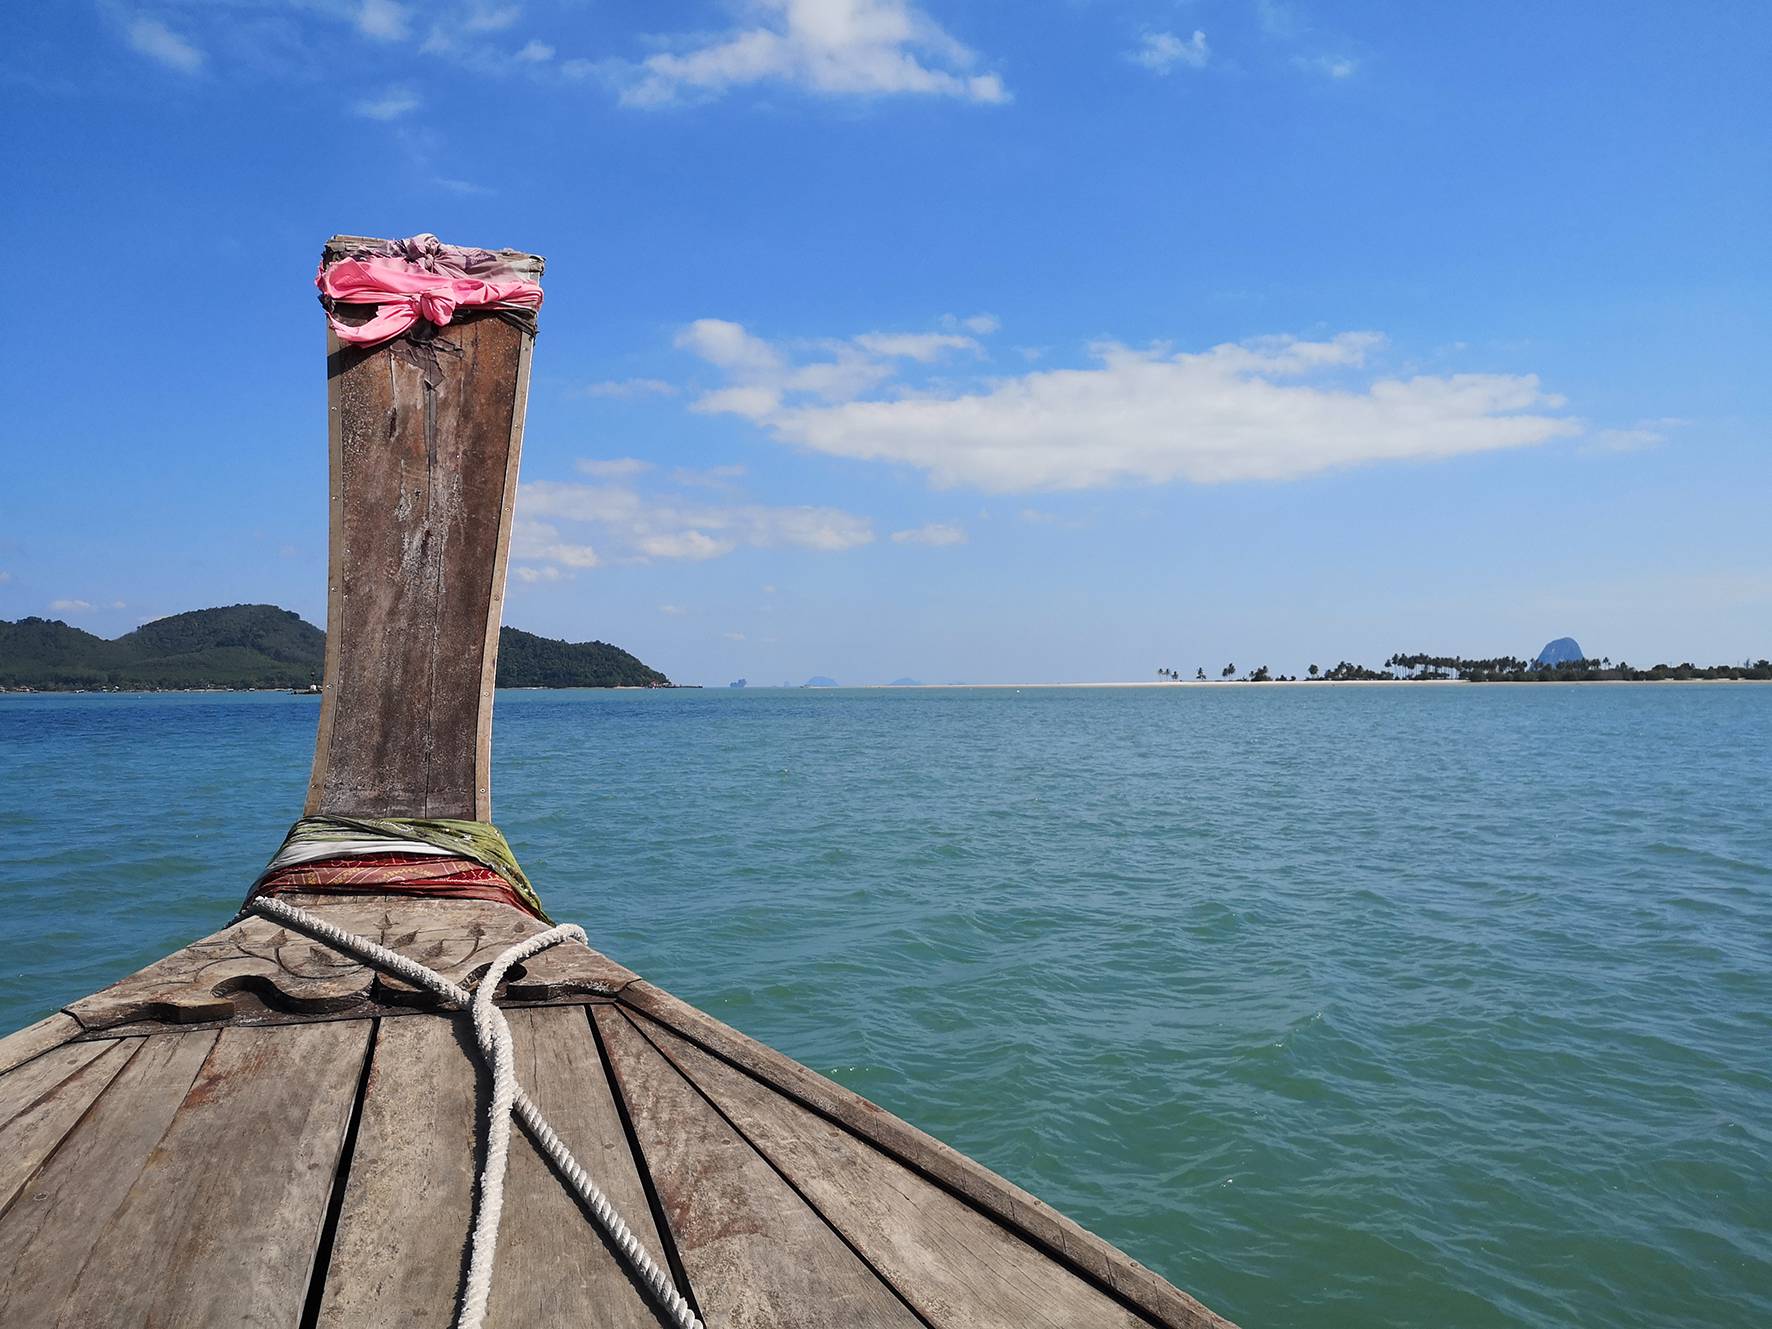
{"points": [[425, 439]]}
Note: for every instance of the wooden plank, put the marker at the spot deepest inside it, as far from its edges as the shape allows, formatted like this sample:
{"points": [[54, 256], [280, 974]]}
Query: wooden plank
{"points": [[756, 1253], [258, 971], [554, 1265], [400, 1250], [953, 1264], [53, 1225], [1008, 1203], [424, 442], [222, 1223], [35, 1039], [41, 1102]]}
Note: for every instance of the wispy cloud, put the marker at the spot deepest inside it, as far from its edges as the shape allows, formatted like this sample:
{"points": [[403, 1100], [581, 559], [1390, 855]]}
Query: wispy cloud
{"points": [[384, 20], [708, 477], [1160, 52], [538, 542], [1640, 437], [935, 533], [672, 611], [535, 53], [826, 47], [764, 375], [70, 606], [391, 105], [640, 527], [1330, 66], [1270, 409], [612, 468], [5, 576], [622, 388], [152, 38]]}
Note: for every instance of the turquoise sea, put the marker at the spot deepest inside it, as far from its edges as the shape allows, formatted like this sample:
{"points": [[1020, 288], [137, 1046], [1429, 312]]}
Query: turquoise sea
{"points": [[1339, 1006]]}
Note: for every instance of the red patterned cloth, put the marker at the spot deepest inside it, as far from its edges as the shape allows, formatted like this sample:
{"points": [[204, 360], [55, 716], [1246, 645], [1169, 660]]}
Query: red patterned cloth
{"points": [[393, 874]]}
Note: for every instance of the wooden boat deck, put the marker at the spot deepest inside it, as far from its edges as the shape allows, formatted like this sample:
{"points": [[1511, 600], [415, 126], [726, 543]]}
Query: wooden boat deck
{"points": [[259, 1130]]}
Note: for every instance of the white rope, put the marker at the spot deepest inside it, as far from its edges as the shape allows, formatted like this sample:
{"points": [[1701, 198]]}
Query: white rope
{"points": [[493, 1033]]}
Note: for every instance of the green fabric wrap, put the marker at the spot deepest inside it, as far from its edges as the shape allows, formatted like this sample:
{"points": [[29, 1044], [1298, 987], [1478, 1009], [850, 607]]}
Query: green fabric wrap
{"points": [[478, 841]]}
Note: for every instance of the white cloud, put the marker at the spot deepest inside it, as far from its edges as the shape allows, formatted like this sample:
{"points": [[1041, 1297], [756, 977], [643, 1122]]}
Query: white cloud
{"points": [[1331, 66], [1271, 409], [536, 53], [733, 636], [920, 346], [729, 346], [643, 526], [1640, 437], [5, 576], [935, 533], [628, 387], [384, 20], [764, 374], [530, 576], [612, 468], [829, 47], [1160, 52], [70, 606], [538, 542], [154, 39], [672, 611], [391, 105], [982, 324], [490, 18], [708, 477]]}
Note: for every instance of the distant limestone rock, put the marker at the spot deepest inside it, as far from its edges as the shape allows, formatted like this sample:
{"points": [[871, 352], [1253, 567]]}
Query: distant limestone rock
{"points": [[738, 683], [904, 683], [1564, 650], [819, 681]]}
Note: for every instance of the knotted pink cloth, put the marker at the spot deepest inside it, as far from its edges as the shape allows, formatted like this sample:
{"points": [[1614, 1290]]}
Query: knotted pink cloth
{"points": [[420, 278]]}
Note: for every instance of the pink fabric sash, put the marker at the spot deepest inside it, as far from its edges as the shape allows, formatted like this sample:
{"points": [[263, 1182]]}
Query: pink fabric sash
{"points": [[420, 278]]}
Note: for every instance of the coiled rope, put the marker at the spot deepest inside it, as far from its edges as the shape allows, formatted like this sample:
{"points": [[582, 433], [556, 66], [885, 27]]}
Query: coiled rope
{"points": [[493, 1034]]}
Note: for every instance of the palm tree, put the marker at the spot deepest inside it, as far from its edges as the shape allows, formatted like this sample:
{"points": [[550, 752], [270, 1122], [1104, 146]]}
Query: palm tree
{"points": [[1227, 671], [1313, 671]]}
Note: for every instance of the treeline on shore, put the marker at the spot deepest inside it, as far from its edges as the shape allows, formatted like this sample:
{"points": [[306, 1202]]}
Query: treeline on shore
{"points": [[1499, 669]]}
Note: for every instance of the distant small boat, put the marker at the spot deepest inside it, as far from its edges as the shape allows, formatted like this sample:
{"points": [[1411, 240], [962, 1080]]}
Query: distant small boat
{"points": [[280, 1125]]}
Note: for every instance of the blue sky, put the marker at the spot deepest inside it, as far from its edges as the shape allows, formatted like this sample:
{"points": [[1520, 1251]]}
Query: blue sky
{"points": [[959, 340]]}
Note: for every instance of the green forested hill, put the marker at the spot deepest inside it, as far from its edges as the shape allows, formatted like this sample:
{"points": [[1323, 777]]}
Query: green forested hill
{"points": [[262, 646], [528, 661]]}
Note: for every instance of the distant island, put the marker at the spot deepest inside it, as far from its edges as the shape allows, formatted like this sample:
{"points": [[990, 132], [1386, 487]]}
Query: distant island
{"points": [[819, 681], [262, 646]]}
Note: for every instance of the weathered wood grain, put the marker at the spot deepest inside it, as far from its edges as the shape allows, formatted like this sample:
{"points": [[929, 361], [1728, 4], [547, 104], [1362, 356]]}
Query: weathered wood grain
{"points": [[400, 1249], [260, 972], [51, 1228], [1056, 1235], [424, 435], [252, 1149], [756, 1253], [41, 1102], [956, 1266], [35, 1039], [554, 1266]]}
